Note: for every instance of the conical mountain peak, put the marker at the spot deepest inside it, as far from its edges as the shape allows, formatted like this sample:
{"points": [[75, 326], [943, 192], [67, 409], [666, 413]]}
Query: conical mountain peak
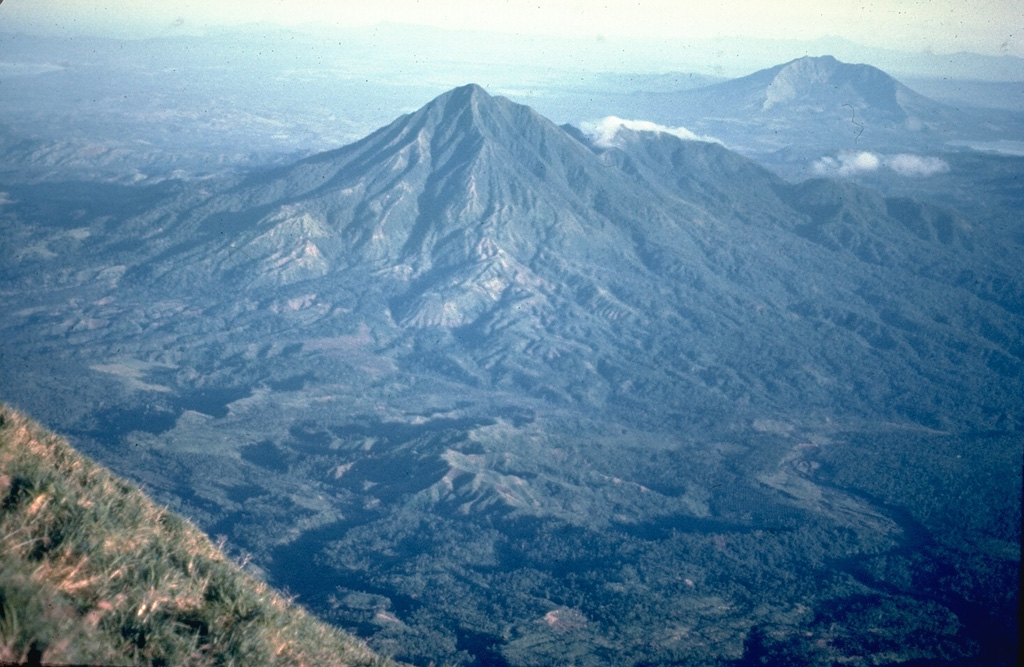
{"points": [[471, 111], [471, 94], [489, 138], [470, 98], [425, 191], [468, 113]]}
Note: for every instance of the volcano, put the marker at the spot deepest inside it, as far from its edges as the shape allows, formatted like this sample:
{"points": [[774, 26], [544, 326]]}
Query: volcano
{"points": [[528, 248], [818, 105], [489, 392]]}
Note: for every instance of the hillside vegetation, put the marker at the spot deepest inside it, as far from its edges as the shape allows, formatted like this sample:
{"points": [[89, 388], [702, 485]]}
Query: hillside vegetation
{"points": [[92, 571]]}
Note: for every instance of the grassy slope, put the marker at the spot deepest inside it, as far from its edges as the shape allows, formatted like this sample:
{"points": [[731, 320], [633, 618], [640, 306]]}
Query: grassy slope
{"points": [[91, 571]]}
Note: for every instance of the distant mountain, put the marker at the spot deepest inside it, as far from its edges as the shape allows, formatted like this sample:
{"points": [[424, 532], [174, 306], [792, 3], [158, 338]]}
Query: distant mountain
{"points": [[819, 85], [491, 392], [822, 104]]}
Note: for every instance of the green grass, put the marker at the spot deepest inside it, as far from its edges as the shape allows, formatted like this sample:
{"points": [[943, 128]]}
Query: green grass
{"points": [[92, 571]]}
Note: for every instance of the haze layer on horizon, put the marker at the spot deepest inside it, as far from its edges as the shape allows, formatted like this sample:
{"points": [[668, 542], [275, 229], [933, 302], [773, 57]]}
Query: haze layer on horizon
{"points": [[989, 27]]}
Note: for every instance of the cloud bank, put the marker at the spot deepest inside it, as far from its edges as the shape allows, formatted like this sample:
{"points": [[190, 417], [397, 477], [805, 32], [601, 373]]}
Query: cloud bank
{"points": [[604, 132], [851, 163]]}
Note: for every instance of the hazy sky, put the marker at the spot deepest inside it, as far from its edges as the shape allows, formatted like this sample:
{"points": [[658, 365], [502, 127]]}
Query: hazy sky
{"points": [[942, 26]]}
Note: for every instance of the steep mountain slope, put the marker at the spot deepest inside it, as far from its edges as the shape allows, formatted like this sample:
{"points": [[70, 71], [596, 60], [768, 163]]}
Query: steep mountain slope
{"points": [[521, 398], [93, 572]]}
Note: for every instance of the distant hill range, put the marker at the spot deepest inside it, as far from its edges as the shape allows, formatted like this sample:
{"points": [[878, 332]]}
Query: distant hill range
{"points": [[788, 115]]}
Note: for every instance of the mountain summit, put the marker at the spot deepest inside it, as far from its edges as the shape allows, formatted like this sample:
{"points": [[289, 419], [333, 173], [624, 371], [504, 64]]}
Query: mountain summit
{"points": [[447, 175], [819, 83]]}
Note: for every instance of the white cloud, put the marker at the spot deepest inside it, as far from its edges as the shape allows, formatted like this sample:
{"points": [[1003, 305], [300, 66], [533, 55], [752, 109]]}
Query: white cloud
{"points": [[847, 163], [862, 161], [906, 164], [605, 131], [850, 163]]}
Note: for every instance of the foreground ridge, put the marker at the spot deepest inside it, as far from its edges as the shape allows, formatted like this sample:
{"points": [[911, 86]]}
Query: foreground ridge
{"points": [[93, 572]]}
